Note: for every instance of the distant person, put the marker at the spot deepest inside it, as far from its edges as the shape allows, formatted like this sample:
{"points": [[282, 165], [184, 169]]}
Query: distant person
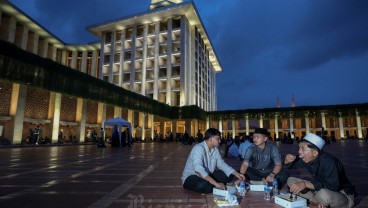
{"points": [[243, 147], [205, 169], [329, 187], [266, 160]]}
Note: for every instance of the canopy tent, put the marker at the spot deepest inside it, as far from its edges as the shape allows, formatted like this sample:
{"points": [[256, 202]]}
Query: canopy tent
{"points": [[119, 123]]}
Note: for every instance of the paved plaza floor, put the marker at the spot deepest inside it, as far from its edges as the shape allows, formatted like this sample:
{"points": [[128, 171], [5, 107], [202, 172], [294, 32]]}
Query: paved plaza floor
{"points": [[142, 176]]}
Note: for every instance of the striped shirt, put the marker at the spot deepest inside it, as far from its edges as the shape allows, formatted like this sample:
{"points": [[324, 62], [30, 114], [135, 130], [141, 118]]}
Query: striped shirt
{"points": [[202, 161]]}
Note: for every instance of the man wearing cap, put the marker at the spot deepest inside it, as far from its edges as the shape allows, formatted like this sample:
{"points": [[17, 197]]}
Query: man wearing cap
{"points": [[205, 168], [329, 186], [265, 158]]}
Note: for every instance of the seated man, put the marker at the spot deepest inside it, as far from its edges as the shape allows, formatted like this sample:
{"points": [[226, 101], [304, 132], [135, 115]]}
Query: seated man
{"points": [[205, 169], [329, 186], [266, 160]]}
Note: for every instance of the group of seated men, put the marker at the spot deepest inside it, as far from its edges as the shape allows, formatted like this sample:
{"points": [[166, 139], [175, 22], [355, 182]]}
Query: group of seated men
{"points": [[329, 187]]}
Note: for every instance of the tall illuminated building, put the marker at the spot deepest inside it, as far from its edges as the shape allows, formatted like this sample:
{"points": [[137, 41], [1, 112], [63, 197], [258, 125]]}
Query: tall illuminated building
{"points": [[164, 53]]}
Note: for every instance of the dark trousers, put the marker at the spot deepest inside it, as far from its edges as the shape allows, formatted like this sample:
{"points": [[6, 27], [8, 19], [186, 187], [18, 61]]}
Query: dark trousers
{"points": [[256, 175], [200, 185]]}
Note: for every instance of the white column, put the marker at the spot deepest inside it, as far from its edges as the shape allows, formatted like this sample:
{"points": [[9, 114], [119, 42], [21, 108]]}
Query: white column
{"points": [[220, 125], [12, 28], [152, 122], [36, 40], [276, 127], [94, 66], [56, 118], [74, 60], [45, 48], [291, 121], [341, 125], [306, 123], [131, 120], [234, 130], [260, 121], [359, 125], [101, 114], [81, 118], [24, 38], [84, 62], [323, 115], [17, 111], [207, 123], [247, 125], [117, 112]]}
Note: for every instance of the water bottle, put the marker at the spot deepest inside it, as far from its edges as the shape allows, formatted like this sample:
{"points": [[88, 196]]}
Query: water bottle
{"points": [[242, 188], [267, 195], [275, 187]]}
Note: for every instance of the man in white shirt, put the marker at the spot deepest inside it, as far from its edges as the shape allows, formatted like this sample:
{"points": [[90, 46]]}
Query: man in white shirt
{"points": [[205, 168]]}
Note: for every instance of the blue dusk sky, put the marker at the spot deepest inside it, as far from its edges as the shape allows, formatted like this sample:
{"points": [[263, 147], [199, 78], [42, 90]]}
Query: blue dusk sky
{"points": [[314, 50]]}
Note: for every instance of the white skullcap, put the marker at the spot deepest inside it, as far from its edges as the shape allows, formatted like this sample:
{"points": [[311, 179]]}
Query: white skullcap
{"points": [[314, 139]]}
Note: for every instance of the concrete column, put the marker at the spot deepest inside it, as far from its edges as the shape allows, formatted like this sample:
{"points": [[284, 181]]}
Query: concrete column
{"points": [[45, 48], [195, 127], [323, 116], [17, 105], [117, 112], [101, 114], [12, 29], [84, 62], [174, 127], [233, 129], [306, 123], [151, 124], [291, 121], [220, 125], [94, 66], [54, 52], [359, 125], [341, 125], [207, 123], [276, 127], [188, 127], [131, 120], [74, 60], [81, 118], [247, 125], [169, 98], [24, 38], [141, 123], [56, 117], [260, 121], [36, 40]]}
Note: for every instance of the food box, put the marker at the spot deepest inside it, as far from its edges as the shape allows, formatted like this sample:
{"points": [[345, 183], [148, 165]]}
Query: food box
{"points": [[293, 202], [256, 185]]}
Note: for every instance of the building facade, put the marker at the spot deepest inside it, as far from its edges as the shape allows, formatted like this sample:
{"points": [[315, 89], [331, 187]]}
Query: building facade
{"points": [[163, 54]]}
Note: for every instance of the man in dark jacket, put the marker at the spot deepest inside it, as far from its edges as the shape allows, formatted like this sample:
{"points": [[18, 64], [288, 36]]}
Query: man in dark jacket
{"points": [[329, 187]]}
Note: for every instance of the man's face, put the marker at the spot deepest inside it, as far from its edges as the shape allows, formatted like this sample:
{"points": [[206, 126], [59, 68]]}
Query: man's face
{"points": [[259, 139], [307, 154], [215, 140]]}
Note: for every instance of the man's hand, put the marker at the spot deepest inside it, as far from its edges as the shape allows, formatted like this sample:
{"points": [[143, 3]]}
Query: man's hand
{"points": [[297, 187], [220, 186], [239, 176], [270, 178], [289, 158]]}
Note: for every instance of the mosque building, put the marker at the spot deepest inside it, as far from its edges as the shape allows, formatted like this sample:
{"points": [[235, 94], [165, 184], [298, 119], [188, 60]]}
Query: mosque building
{"points": [[156, 69]]}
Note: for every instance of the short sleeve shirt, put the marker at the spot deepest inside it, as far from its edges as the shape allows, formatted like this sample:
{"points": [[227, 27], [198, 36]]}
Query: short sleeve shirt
{"points": [[263, 159]]}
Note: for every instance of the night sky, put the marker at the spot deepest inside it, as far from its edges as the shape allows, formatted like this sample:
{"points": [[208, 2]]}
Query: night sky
{"points": [[314, 50]]}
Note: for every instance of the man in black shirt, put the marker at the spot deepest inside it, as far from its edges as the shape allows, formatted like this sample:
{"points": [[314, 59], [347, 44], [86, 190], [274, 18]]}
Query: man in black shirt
{"points": [[329, 186]]}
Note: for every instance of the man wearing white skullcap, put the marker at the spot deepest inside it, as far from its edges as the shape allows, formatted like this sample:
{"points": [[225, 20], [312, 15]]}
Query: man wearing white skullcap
{"points": [[329, 187]]}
